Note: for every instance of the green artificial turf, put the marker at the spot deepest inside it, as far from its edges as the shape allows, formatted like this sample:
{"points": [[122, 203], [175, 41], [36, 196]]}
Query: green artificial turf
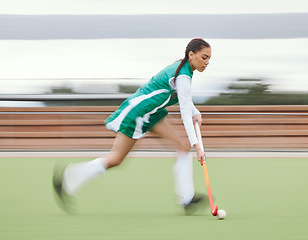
{"points": [[265, 198]]}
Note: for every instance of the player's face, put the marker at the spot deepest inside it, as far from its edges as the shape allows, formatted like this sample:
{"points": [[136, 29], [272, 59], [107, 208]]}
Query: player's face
{"points": [[200, 59]]}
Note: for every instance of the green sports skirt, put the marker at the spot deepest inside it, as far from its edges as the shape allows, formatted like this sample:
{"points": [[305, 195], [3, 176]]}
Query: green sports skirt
{"points": [[139, 113]]}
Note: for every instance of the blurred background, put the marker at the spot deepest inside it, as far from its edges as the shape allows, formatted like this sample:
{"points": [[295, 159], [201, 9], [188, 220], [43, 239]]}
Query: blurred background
{"points": [[260, 48], [96, 53]]}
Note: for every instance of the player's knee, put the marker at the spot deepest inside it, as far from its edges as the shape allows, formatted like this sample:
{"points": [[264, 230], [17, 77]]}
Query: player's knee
{"points": [[114, 161], [184, 146]]}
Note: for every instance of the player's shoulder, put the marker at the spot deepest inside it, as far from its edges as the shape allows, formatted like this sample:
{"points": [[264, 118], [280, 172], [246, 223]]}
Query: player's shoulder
{"points": [[186, 70], [171, 69]]}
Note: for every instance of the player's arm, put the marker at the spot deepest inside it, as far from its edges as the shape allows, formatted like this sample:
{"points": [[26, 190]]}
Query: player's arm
{"points": [[197, 117], [188, 111]]}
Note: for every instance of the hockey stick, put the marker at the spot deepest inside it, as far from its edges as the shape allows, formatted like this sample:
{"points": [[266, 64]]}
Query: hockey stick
{"points": [[214, 208]]}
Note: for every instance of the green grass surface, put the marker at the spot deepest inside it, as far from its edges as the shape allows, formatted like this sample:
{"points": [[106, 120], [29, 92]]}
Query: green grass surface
{"points": [[264, 198]]}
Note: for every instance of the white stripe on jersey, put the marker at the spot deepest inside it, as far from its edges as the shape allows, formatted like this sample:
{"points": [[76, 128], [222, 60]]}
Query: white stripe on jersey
{"points": [[140, 120], [116, 123]]}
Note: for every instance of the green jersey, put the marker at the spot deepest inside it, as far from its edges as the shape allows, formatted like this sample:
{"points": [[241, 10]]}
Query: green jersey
{"points": [[137, 114]]}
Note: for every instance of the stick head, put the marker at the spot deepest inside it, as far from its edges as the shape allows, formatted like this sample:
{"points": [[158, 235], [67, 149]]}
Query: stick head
{"points": [[214, 210]]}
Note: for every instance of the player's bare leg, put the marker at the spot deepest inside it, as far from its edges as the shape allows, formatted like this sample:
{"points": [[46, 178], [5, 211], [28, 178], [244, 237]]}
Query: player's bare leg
{"points": [[68, 180]]}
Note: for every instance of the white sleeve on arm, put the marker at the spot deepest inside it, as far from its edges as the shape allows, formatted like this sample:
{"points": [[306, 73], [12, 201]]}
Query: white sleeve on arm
{"points": [[183, 87], [194, 109]]}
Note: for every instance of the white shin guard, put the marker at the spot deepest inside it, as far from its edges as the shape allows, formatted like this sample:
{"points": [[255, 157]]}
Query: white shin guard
{"points": [[77, 174], [183, 174]]}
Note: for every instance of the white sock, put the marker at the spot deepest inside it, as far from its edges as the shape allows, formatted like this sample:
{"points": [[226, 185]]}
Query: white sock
{"points": [[77, 174], [183, 173]]}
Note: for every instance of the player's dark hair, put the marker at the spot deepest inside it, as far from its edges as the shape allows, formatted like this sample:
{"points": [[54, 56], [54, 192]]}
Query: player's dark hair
{"points": [[194, 45]]}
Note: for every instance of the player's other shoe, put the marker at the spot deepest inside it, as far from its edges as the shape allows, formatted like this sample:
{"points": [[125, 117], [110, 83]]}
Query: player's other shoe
{"points": [[197, 202], [64, 200]]}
